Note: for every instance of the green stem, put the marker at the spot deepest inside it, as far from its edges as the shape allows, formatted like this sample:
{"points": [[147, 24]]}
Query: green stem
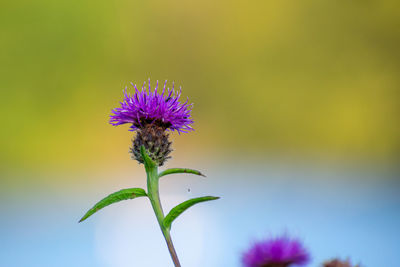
{"points": [[154, 196]]}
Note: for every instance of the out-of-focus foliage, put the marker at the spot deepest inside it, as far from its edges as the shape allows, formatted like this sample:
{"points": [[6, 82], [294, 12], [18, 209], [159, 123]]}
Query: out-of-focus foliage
{"points": [[271, 76]]}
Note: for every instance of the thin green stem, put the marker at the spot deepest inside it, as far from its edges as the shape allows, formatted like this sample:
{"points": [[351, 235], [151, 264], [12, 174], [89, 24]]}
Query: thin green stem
{"points": [[154, 196]]}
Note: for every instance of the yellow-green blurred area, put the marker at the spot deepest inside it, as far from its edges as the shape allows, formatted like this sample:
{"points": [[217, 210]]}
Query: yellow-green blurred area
{"points": [[267, 77]]}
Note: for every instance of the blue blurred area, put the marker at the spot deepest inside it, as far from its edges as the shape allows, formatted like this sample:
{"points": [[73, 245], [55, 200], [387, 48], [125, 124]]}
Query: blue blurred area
{"points": [[337, 212]]}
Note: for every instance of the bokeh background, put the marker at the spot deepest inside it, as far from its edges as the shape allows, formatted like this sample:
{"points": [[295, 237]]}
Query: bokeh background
{"points": [[296, 109]]}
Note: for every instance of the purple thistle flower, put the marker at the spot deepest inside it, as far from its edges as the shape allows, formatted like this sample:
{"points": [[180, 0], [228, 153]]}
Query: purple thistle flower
{"points": [[277, 252], [146, 107]]}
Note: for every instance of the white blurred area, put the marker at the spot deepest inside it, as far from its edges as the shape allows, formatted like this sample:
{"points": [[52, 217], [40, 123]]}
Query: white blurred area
{"points": [[130, 236]]}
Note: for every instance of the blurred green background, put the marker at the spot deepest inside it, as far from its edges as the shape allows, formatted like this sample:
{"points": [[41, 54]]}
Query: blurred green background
{"points": [[314, 81], [297, 77]]}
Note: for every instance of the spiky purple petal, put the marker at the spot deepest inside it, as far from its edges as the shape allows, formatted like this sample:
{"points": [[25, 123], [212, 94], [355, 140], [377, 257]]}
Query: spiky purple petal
{"points": [[146, 107]]}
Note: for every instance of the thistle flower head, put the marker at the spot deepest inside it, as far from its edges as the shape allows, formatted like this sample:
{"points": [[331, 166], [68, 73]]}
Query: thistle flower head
{"points": [[161, 108], [277, 252], [151, 115]]}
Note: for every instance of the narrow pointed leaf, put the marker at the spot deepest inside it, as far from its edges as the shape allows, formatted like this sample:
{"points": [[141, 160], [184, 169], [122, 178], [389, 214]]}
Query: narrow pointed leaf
{"points": [[180, 170], [123, 194], [176, 211], [148, 162]]}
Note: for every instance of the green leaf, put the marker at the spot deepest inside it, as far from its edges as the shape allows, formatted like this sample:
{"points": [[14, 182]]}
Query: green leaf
{"points": [[148, 162], [123, 194], [176, 211], [180, 170]]}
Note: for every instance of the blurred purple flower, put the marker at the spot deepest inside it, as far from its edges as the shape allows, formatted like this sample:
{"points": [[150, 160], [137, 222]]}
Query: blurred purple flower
{"points": [[162, 109], [276, 252]]}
